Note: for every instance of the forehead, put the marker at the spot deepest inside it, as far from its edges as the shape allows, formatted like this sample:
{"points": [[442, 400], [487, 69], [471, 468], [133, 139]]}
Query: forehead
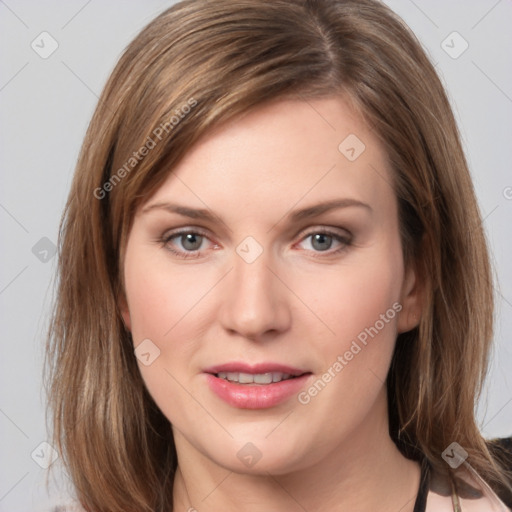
{"points": [[283, 153]]}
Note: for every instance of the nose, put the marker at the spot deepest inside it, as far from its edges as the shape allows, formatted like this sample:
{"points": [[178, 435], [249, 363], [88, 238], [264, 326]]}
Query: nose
{"points": [[254, 301]]}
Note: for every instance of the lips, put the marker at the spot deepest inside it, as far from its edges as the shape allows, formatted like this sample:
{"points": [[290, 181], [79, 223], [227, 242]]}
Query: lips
{"points": [[256, 386]]}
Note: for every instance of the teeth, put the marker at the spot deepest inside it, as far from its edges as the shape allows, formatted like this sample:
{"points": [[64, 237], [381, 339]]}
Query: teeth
{"points": [[263, 378], [259, 378], [245, 378]]}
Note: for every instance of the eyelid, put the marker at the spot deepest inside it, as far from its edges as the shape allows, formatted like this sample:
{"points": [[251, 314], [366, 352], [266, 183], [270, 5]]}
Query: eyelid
{"points": [[325, 229], [186, 229]]}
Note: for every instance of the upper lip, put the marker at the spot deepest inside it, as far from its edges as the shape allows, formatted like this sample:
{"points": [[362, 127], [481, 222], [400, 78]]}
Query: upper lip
{"points": [[240, 367]]}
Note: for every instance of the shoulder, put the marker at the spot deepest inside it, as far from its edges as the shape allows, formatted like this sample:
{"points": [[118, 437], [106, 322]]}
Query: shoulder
{"points": [[468, 490], [471, 494]]}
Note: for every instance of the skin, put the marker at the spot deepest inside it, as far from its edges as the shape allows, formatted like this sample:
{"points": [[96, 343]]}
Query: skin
{"points": [[296, 304]]}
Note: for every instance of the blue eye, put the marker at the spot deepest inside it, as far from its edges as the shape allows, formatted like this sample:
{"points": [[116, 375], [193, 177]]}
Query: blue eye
{"points": [[190, 242], [323, 240]]}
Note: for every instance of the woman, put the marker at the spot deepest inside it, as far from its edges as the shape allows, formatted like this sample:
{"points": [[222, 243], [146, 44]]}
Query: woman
{"points": [[274, 288]]}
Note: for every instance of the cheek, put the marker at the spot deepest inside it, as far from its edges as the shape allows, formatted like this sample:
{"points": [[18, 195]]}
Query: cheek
{"points": [[159, 297], [361, 307], [167, 309], [353, 298], [170, 308], [360, 304]]}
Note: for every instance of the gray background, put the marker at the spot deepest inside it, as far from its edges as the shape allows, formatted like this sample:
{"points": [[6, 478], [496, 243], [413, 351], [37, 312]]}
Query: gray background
{"points": [[45, 107]]}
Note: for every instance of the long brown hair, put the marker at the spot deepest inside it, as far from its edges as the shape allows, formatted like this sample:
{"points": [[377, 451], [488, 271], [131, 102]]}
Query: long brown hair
{"points": [[196, 65]]}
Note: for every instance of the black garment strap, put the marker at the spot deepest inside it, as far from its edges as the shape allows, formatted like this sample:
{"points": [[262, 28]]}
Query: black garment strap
{"points": [[421, 500]]}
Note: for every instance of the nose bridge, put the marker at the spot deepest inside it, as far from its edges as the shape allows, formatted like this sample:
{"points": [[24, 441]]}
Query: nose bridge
{"points": [[253, 279], [253, 301]]}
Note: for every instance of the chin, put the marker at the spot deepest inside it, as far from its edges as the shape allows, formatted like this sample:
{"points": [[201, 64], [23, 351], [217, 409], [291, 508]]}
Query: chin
{"points": [[256, 455]]}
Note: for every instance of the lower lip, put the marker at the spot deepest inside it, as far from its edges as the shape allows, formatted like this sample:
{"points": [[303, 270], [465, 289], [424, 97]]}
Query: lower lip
{"points": [[256, 396]]}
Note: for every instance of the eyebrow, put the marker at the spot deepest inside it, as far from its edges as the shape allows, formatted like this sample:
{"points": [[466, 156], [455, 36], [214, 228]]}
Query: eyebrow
{"points": [[294, 216], [318, 209]]}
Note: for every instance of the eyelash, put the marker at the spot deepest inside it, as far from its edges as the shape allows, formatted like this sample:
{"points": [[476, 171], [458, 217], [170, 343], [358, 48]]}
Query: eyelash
{"points": [[345, 242]]}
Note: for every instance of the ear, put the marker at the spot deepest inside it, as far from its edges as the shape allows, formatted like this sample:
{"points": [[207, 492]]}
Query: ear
{"points": [[125, 312], [411, 299]]}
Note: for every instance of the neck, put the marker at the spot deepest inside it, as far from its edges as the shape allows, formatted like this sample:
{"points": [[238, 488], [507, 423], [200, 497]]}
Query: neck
{"points": [[365, 472]]}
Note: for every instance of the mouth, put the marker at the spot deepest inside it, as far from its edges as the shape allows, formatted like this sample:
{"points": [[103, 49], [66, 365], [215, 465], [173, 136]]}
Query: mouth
{"points": [[255, 386], [258, 378]]}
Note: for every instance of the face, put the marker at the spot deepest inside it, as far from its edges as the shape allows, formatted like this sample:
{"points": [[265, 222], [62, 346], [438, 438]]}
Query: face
{"points": [[265, 288]]}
